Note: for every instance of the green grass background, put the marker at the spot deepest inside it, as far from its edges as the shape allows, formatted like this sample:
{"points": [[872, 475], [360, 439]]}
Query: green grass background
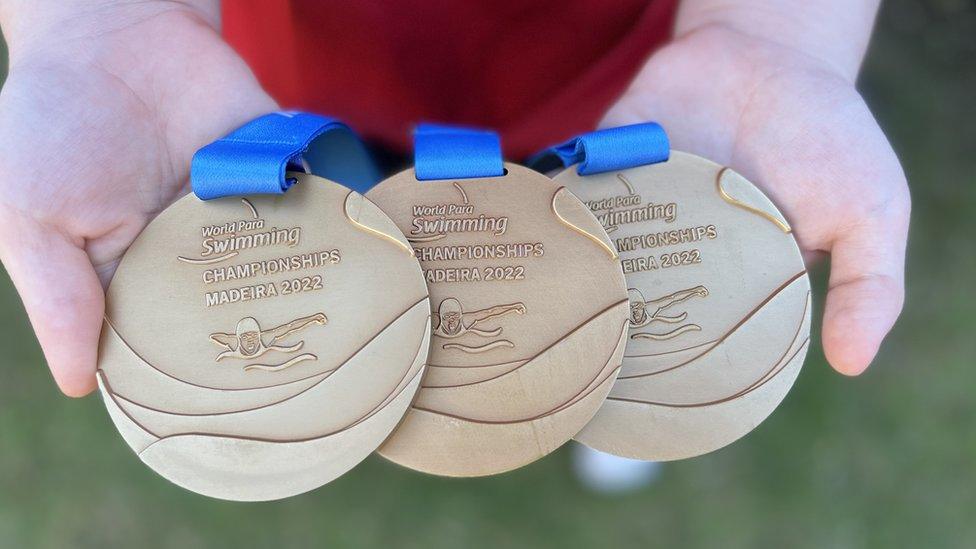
{"points": [[887, 459]]}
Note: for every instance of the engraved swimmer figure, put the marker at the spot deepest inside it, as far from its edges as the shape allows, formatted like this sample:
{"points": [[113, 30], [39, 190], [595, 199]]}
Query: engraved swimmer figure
{"points": [[249, 341], [451, 321], [639, 316]]}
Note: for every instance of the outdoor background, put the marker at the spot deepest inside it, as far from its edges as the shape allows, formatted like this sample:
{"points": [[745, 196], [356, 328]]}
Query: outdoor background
{"points": [[887, 459]]}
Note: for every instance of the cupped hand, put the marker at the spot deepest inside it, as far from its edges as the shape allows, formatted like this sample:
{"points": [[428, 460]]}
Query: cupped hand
{"points": [[97, 129], [796, 126]]}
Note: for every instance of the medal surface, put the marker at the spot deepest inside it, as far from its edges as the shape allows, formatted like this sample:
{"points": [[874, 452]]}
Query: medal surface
{"points": [[719, 307], [529, 319], [255, 348]]}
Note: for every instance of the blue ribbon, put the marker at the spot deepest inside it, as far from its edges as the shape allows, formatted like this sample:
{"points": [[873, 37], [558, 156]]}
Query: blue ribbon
{"points": [[253, 159], [607, 150], [451, 152]]}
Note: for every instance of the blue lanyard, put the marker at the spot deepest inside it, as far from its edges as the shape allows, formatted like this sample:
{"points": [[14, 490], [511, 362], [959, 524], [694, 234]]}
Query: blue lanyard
{"points": [[607, 150], [451, 152], [253, 159]]}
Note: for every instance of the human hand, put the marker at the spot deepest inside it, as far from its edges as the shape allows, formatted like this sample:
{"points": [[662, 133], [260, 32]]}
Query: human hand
{"points": [[793, 123], [97, 129]]}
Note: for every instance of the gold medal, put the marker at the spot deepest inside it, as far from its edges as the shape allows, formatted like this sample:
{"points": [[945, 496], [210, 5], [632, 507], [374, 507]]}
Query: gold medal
{"points": [[529, 319], [719, 307], [255, 348]]}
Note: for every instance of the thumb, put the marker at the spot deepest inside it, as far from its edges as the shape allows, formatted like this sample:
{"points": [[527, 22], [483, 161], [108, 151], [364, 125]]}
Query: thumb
{"points": [[867, 289], [63, 298]]}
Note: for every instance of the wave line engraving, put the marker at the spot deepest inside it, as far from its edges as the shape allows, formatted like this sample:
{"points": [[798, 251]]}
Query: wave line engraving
{"points": [[725, 336], [577, 328], [404, 382], [591, 386], [476, 349], [778, 366], [668, 335], [154, 367], [326, 374], [284, 365]]}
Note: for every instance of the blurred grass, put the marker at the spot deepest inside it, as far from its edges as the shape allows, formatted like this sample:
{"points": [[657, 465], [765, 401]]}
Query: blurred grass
{"points": [[878, 461]]}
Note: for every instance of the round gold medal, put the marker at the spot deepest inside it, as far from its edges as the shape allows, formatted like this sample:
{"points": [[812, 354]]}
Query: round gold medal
{"points": [[255, 348], [719, 307], [529, 319]]}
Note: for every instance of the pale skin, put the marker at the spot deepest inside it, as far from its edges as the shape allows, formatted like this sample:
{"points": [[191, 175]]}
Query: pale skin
{"points": [[106, 101]]}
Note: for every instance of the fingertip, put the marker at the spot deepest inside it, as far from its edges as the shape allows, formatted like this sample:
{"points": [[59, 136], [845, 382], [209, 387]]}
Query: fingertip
{"points": [[75, 383], [857, 318], [848, 355]]}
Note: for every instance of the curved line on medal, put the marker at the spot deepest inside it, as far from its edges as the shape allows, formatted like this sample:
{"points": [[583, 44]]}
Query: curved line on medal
{"points": [[778, 366], [398, 389], [464, 195], [740, 394], [147, 363], [630, 187], [665, 353], [589, 388], [773, 372], [283, 366], [345, 210], [520, 363], [599, 241], [477, 349], [207, 261], [254, 211], [326, 375], [283, 400], [621, 341], [212, 260], [430, 238], [667, 335], [717, 342], [115, 400], [459, 367], [783, 226]]}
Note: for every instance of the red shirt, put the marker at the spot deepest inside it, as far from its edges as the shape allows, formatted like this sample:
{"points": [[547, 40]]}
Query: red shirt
{"points": [[537, 71]]}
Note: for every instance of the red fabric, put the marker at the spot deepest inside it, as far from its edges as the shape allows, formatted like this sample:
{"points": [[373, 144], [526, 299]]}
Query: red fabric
{"points": [[538, 71]]}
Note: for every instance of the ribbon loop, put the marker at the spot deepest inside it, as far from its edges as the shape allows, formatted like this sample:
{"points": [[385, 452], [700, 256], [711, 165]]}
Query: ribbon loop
{"points": [[607, 150], [253, 159], [451, 152]]}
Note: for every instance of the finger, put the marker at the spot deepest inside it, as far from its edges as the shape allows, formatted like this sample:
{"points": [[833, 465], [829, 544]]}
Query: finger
{"points": [[63, 298], [867, 289]]}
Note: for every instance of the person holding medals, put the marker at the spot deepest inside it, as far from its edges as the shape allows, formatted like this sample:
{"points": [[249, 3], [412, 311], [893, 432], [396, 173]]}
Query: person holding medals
{"points": [[107, 101]]}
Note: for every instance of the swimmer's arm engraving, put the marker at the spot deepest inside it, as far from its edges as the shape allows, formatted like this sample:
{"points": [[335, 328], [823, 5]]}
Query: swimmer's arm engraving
{"points": [[224, 340], [475, 317], [283, 331], [670, 300], [641, 316]]}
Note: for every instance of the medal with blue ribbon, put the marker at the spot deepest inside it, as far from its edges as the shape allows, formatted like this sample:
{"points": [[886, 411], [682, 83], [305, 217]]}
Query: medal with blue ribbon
{"points": [[255, 158], [719, 295], [529, 307], [266, 334]]}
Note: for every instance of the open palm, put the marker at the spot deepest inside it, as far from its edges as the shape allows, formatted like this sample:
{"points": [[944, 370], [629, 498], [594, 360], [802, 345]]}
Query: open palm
{"points": [[797, 127], [97, 138]]}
